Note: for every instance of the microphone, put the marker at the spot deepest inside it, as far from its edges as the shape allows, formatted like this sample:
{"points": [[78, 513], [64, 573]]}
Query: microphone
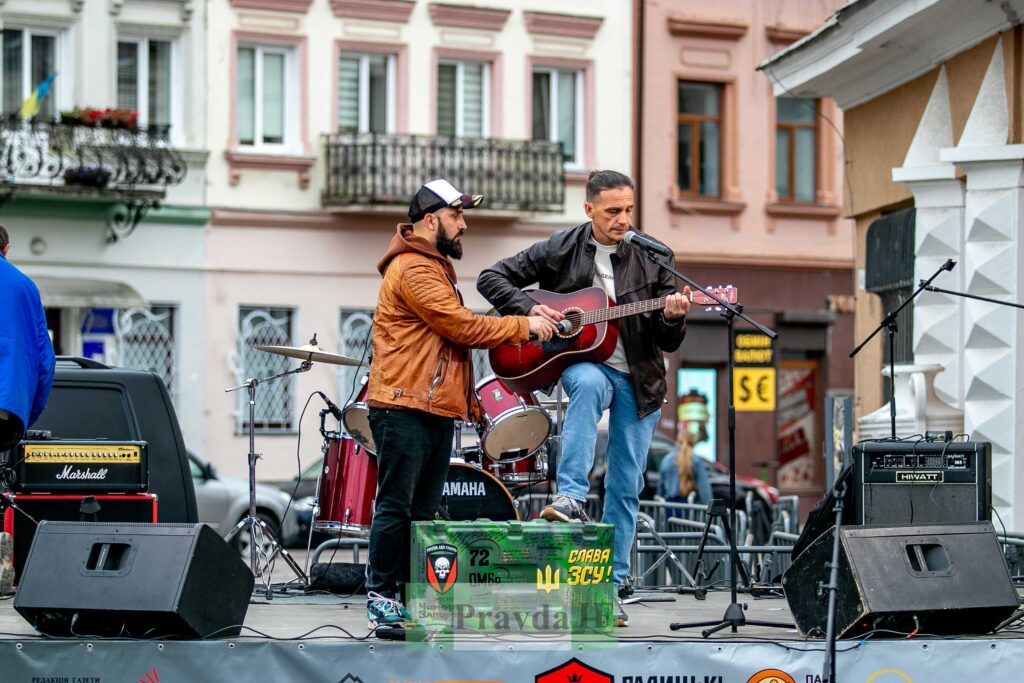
{"points": [[641, 240], [949, 264], [563, 326], [334, 410]]}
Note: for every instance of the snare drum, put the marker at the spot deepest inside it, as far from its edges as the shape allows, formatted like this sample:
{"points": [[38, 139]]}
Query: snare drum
{"points": [[347, 489], [356, 420], [514, 425]]}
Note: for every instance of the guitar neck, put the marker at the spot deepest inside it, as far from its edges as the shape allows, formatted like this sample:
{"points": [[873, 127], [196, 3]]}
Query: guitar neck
{"points": [[600, 315]]}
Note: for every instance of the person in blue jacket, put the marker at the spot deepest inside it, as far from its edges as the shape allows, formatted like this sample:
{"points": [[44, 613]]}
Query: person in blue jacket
{"points": [[26, 352], [681, 472]]}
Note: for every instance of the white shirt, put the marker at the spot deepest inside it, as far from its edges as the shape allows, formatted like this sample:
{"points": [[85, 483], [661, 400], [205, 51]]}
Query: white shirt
{"points": [[604, 277]]}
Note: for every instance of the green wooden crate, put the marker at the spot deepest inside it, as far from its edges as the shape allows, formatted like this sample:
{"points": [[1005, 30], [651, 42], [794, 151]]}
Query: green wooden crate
{"points": [[509, 577]]}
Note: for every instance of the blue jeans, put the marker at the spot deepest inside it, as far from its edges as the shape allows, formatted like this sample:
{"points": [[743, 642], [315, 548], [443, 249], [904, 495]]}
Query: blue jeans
{"points": [[592, 389]]}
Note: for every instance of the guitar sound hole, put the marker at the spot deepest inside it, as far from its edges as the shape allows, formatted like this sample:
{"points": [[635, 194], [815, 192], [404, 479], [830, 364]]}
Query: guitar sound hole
{"points": [[576, 318]]}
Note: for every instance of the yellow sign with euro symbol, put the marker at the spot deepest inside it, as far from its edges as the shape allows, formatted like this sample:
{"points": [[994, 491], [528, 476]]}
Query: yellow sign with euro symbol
{"points": [[754, 389], [753, 383]]}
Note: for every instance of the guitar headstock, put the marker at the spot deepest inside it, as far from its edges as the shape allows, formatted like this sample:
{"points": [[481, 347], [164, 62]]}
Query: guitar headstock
{"points": [[728, 294]]}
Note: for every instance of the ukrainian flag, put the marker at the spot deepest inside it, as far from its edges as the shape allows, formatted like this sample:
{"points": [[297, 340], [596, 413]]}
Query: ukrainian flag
{"points": [[30, 107]]}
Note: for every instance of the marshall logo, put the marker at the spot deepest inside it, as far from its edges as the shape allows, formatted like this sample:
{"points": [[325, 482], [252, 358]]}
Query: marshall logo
{"points": [[922, 477], [464, 488], [574, 671], [72, 472], [442, 566]]}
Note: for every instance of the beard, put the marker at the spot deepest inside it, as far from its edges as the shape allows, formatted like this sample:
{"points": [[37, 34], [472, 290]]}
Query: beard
{"points": [[447, 246]]}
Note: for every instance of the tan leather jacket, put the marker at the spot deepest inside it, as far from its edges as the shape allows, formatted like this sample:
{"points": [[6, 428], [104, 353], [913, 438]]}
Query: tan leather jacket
{"points": [[422, 334]]}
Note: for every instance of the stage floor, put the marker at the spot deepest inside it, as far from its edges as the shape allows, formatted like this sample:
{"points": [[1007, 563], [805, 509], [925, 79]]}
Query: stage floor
{"points": [[300, 637]]}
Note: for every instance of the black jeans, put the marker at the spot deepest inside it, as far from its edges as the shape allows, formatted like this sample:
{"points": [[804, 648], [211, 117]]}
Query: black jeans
{"points": [[413, 451]]}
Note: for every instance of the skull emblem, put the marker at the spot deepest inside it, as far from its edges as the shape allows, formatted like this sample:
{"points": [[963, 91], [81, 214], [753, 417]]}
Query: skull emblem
{"points": [[442, 567]]}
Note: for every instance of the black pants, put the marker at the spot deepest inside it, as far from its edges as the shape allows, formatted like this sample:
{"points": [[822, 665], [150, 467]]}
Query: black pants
{"points": [[413, 451]]}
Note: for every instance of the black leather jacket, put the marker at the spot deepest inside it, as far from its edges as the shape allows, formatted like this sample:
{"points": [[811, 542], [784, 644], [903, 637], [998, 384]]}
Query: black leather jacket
{"points": [[565, 263]]}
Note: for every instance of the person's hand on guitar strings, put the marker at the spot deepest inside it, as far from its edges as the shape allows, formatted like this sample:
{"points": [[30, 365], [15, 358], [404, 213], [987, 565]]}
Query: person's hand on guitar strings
{"points": [[677, 305], [546, 312]]}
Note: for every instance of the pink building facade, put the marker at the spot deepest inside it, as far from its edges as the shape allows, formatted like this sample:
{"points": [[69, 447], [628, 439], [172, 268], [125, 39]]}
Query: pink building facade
{"points": [[747, 190]]}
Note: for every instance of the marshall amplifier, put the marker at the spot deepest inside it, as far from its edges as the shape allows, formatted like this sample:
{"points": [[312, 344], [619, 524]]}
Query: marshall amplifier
{"points": [[921, 482], [82, 466]]}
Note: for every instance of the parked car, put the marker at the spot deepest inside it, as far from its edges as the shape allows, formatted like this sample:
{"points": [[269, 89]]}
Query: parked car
{"points": [[302, 491], [224, 501]]}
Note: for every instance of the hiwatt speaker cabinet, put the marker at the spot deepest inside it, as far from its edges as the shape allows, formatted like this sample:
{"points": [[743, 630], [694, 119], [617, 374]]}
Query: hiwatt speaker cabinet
{"points": [[133, 580], [921, 482], [22, 511], [945, 579]]}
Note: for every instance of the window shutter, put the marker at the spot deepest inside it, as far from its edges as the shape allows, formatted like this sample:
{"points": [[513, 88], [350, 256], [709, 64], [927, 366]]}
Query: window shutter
{"points": [[473, 100], [348, 94], [159, 83], [446, 99], [246, 105], [128, 76]]}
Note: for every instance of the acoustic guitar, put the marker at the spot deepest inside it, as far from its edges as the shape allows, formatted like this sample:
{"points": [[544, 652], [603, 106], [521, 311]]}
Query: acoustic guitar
{"points": [[592, 337]]}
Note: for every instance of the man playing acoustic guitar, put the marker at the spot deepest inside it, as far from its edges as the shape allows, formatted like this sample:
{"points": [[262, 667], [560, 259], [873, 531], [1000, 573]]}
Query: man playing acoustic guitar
{"points": [[631, 381]]}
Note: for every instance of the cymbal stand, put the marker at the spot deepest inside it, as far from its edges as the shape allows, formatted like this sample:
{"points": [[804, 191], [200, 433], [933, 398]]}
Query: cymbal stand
{"points": [[251, 520]]}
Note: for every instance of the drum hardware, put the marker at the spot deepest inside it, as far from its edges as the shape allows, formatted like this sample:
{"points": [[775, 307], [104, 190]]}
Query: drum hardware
{"points": [[308, 354]]}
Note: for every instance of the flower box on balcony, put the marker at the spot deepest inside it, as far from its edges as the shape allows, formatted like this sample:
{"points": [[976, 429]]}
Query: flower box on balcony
{"points": [[87, 176], [125, 119]]}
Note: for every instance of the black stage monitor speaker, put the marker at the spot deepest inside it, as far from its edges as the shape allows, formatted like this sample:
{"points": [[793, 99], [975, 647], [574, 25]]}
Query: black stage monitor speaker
{"points": [[921, 482], [133, 580], [946, 579]]}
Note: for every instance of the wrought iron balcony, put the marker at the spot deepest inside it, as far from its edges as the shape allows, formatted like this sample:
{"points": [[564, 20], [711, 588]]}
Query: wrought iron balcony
{"points": [[87, 159], [129, 167], [376, 169]]}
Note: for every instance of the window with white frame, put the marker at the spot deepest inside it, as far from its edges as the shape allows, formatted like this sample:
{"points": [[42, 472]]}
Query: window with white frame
{"points": [[355, 340], [29, 56], [463, 98], [366, 101], [558, 110], [274, 407], [267, 97], [145, 79], [145, 341]]}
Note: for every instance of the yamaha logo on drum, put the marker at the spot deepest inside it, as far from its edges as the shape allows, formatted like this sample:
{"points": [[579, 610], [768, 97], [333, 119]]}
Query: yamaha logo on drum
{"points": [[464, 488]]}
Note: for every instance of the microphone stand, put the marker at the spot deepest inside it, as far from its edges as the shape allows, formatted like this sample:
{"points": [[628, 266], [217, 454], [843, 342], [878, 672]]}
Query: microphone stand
{"points": [[829, 671], [889, 323], [734, 616], [972, 296]]}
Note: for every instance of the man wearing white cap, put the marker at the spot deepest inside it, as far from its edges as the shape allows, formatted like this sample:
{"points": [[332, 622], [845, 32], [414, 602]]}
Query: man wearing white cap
{"points": [[421, 380]]}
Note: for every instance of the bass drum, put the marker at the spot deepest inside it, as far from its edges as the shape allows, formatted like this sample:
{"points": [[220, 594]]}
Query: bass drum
{"points": [[471, 493]]}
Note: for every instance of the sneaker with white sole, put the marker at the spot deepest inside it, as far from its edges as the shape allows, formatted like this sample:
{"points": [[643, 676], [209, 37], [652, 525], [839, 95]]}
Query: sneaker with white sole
{"points": [[564, 509], [384, 610]]}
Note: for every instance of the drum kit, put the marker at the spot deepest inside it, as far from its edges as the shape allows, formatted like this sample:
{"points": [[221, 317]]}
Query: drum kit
{"points": [[514, 445]]}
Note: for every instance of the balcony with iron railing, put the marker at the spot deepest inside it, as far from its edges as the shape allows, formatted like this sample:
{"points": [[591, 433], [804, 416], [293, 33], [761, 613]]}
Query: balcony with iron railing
{"points": [[374, 169], [127, 166]]}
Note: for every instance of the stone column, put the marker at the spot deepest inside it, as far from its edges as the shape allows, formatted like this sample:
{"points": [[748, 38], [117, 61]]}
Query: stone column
{"points": [[993, 355]]}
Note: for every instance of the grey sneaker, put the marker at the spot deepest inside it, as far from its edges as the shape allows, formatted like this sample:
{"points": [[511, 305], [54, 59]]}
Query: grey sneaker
{"points": [[564, 509]]}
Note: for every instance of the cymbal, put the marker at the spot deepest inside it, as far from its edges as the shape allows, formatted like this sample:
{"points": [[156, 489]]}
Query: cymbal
{"points": [[312, 352]]}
